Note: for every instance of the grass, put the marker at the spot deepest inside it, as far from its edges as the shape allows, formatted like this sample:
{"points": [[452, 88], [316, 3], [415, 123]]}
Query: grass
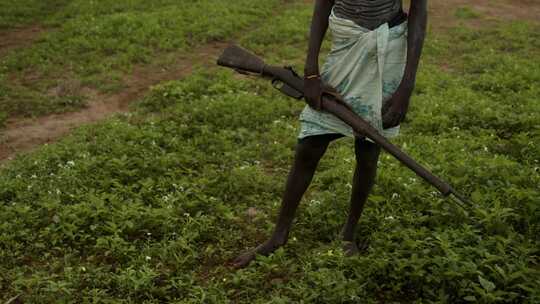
{"points": [[19, 13], [147, 207], [465, 12], [93, 44]]}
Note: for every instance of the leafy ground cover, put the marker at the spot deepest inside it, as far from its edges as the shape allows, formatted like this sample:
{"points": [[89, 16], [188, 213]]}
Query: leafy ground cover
{"points": [[148, 207], [92, 44], [17, 13]]}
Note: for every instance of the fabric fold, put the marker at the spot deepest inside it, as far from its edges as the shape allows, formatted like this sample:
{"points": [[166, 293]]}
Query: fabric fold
{"points": [[366, 67]]}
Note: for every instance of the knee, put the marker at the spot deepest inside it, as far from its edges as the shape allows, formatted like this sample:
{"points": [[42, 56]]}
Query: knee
{"points": [[367, 165], [367, 154], [309, 155]]}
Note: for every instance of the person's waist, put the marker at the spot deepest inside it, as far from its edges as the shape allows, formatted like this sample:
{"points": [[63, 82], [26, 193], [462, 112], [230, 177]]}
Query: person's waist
{"points": [[398, 19], [338, 20]]}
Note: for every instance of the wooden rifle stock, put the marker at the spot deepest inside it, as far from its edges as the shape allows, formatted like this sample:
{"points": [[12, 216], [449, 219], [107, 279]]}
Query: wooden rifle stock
{"points": [[286, 80]]}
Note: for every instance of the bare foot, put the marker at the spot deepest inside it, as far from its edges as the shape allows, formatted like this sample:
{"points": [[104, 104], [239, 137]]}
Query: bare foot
{"points": [[350, 248], [264, 249]]}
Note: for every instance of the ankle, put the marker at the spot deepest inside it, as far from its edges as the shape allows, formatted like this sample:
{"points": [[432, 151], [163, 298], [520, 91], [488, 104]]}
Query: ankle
{"points": [[347, 238], [347, 235], [280, 239]]}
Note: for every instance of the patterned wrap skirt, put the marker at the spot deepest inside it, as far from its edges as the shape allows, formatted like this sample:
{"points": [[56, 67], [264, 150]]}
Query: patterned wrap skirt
{"points": [[366, 67]]}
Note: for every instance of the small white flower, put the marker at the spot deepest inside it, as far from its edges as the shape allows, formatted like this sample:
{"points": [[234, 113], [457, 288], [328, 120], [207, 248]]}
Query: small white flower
{"points": [[148, 258], [395, 195], [315, 202]]}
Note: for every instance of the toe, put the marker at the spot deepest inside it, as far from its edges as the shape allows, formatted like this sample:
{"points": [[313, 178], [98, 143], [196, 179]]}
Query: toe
{"points": [[243, 260], [350, 248]]}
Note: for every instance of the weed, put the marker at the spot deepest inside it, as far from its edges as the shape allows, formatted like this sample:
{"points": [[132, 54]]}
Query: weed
{"points": [[148, 206], [465, 12]]}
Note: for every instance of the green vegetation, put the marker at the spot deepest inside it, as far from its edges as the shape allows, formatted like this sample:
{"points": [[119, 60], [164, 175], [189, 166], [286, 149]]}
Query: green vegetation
{"points": [[94, 43], [465, 12], [3, 117], [148, 207], [17, 13]]}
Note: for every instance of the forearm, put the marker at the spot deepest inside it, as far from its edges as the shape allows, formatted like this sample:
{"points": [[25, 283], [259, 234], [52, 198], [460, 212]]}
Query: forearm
{"points": [[319, 26], [415, 41]]}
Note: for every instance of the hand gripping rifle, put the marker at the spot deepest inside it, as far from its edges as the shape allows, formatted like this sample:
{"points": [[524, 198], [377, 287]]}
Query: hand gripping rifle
{"points": [[290, 83]]}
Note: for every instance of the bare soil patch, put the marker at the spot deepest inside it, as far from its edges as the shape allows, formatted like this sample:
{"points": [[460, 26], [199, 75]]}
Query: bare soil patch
{"points": [[442, 12], [22, 135], [19, 37], [25, 134]]}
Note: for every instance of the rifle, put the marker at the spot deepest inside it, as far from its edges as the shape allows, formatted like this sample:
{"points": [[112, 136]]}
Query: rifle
{"points": [[291, 84]]}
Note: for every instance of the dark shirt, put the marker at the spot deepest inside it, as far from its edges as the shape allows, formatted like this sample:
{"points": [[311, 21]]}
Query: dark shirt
{"points": [[370, 13]]}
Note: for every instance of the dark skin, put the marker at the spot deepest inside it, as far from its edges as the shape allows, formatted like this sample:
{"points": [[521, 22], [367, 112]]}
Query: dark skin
{"points": [[311, 149]]}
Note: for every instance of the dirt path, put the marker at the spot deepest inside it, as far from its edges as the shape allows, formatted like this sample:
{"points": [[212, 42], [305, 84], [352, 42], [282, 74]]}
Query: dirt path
{"points": [[26, 134], [16, 38], [442, 12]]}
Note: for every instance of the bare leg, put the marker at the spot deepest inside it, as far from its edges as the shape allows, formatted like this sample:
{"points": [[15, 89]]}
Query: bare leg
{"points": [[308, 153], [367, 156]]}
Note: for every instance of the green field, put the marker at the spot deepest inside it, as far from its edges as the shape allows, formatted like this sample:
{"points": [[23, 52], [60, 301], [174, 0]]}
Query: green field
{"points": [[94, 44], [149, 206]]}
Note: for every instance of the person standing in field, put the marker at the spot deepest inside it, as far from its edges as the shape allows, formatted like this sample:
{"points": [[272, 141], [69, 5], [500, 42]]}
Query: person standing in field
{"points": [[373, 63]]}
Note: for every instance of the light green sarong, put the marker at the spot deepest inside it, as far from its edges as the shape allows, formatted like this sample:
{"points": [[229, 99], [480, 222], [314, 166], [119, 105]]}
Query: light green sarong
{"points": [[366, 67]]}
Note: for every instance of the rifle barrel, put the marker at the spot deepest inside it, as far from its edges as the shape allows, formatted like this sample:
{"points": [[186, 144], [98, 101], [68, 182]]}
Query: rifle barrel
{"points": [[361, 126], [240, 59]]}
